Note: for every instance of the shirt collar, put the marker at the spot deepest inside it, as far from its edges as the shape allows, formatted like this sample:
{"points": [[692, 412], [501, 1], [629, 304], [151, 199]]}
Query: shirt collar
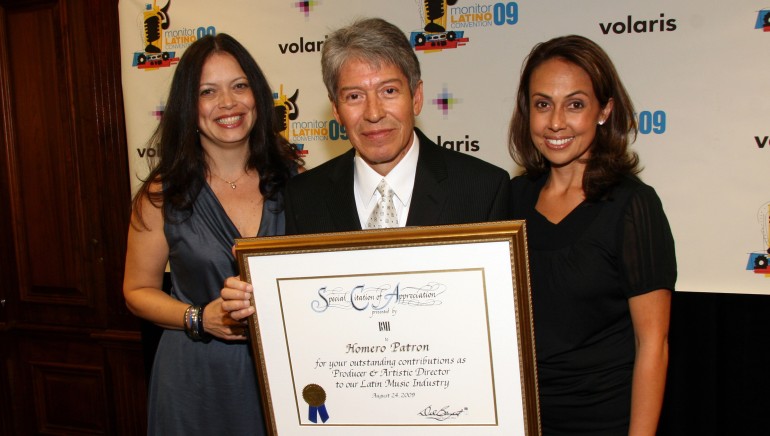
{"points": [[400, 178]]}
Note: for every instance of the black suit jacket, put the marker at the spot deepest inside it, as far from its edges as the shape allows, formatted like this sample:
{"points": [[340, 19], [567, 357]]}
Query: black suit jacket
{"points": [[449, 188]]}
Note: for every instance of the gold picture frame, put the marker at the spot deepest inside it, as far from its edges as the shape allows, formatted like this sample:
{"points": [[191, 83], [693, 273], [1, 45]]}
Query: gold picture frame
{"points": [[417, 328]]}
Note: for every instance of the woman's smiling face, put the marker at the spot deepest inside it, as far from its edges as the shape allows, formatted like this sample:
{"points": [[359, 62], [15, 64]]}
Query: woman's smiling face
{"points": [[564, 112], [226, 107]]}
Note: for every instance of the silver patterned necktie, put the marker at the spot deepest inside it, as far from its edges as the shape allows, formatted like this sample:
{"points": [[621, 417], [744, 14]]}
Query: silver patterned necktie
{"points": [[384, 213]]}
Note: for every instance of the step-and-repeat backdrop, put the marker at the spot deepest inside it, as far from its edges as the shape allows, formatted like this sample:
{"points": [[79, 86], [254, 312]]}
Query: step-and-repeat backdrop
{"points": [[697, 71]]}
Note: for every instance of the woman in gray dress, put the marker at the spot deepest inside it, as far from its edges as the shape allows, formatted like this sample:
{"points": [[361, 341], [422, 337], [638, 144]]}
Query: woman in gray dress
{"points": [[220, 170]]}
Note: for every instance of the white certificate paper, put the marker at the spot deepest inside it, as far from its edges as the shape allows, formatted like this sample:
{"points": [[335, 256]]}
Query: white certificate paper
{"points": [[439, 373]]}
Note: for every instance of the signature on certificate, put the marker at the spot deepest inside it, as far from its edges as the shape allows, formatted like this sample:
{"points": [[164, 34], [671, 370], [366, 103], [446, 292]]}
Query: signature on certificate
{"points": [[441, 414]]}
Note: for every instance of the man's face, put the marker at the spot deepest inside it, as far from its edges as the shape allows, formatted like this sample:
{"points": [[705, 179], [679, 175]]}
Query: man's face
{"points": [[377, 109]]}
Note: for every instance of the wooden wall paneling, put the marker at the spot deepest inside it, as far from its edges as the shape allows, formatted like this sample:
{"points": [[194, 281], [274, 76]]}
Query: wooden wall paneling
{"points": [[125, 368], [8, 407], [112, 169], [8, 284], [70, 381], [56, 383], [72, 359], [70, 194], [68, 384], [56, 277]]}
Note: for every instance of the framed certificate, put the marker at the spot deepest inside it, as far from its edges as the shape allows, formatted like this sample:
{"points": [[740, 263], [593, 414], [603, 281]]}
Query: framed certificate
{"points": [[427, 329]]}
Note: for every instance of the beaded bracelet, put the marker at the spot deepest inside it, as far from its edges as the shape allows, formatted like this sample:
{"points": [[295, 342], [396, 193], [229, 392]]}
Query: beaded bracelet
{"points": [[186, 322], [193, 324], [194, 313], [201, 333]]}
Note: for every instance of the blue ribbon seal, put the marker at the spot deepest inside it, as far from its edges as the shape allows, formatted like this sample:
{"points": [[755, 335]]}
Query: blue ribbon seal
{"points": [[315, 396], [315, 411]]}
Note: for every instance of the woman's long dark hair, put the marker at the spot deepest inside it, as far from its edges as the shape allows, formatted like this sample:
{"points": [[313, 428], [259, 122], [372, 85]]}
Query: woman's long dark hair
{"points": [[610, 159], [180, 163]]}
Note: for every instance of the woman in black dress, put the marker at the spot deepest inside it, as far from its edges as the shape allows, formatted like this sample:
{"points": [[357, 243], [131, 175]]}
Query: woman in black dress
{"points": [[601, 251]]}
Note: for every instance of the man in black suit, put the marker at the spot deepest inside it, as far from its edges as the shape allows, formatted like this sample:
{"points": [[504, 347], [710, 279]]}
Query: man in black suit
{"points": [[372, 76], [373, 79]]}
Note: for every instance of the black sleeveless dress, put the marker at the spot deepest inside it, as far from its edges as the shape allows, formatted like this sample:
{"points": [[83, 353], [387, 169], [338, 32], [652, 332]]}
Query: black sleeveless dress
{"points": [[583, 271]]}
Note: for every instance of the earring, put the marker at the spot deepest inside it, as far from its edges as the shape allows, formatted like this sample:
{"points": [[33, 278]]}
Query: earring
{"points": [[601, 122]]}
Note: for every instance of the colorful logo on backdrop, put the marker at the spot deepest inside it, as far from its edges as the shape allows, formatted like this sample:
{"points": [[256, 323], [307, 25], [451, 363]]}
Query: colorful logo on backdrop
{"points": [[445, 22], [158, 112], [445, 100], [287, 110], [299, 131], [306, 6], [651, 122], [153, 56], [317, 130], [160, 42], [763, 20], [758, 260]]}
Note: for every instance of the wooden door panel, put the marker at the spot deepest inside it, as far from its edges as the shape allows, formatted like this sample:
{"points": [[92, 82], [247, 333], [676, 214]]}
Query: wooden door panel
{"points": [[45, 196], [63, 122], [70, 353]]}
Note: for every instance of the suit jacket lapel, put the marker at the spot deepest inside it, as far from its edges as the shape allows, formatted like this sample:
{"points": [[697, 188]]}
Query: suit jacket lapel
{"points": [[428, 197], [341, 200]]}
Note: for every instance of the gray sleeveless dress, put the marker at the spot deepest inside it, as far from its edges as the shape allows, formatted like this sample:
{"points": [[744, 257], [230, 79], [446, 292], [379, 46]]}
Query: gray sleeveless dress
{"points": [[205, 388]]}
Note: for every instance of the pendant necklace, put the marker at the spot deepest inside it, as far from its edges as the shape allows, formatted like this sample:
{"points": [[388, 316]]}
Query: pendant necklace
{"points": [[233, 183]]}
